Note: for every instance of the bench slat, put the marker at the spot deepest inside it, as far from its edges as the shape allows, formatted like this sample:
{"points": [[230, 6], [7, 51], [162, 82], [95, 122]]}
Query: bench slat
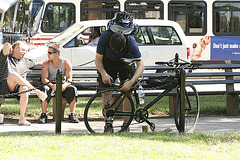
{"points": [[201, 82], [212, 74]]}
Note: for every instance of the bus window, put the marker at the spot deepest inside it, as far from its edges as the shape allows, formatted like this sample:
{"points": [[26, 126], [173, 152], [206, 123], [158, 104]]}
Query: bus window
{"points": [[191, 16], [145, 10], [226, 18], [95, 9], [58, 17]]}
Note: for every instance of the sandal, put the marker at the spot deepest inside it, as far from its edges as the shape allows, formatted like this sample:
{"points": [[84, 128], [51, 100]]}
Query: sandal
{"points": [[43, 96]]}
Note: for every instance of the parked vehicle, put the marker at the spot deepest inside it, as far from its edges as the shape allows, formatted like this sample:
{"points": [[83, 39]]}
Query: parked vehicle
{"points": [[157, 40]]}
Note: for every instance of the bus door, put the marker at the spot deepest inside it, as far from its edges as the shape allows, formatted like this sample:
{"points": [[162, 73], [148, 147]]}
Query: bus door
{"points": [[13, 20]]}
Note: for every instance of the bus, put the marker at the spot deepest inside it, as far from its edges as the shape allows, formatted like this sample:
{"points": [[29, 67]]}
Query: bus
{"points": [[212, 27]]}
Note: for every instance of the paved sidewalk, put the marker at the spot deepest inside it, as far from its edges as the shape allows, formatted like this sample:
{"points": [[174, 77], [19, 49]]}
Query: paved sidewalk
{"points": [[205, 124]]}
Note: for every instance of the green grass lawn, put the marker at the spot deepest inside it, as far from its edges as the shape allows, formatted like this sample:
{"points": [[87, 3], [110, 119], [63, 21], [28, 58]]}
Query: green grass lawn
{"points": [[120, 146], [210, 105], [152, 145]]}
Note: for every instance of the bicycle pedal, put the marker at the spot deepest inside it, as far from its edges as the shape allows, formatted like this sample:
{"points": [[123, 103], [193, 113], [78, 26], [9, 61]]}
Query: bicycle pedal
{"points": [[152, 126]]}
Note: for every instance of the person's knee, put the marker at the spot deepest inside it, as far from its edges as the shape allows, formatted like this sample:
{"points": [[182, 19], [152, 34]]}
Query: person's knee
{"points": [[71, 89], [12, 79], [14, 75]]}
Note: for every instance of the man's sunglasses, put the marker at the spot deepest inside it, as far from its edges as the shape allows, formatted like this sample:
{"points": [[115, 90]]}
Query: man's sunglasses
{"points": [[51, 52]]}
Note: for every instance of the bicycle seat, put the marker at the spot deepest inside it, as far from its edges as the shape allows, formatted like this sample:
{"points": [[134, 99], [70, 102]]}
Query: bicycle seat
{"points": [[130, 60]]}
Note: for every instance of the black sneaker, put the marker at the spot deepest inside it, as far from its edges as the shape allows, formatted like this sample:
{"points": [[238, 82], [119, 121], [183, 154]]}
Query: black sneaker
{"points": [[72, 118], [43, 118], [126, 130], [108, 128]]}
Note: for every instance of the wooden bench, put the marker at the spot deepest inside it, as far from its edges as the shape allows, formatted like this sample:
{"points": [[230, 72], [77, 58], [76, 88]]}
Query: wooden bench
{"points": [[229, 75]]}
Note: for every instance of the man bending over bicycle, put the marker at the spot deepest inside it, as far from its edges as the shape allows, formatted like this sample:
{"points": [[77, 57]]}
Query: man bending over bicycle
{"points": [[114, 44]]}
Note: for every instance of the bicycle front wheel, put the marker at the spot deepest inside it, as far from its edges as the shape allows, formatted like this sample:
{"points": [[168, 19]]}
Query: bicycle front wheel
{"points": [[192, 108], [114, 102]]}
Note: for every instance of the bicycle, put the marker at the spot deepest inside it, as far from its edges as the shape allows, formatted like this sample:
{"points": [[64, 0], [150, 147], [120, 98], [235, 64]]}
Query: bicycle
{"points": [[120, 116]]}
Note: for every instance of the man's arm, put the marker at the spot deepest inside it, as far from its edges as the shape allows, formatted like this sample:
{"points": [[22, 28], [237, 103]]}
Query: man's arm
{"points": [[38, 63], [7, 49], [140, 68], [68, 74], [105, 77]]}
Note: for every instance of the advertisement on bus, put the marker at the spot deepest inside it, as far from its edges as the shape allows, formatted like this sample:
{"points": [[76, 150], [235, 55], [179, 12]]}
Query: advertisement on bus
{"points": [[216, 48], [225, 48]]}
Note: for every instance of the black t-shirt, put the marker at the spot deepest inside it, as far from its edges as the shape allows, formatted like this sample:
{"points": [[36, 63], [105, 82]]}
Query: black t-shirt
{"points": [[9, 64]]}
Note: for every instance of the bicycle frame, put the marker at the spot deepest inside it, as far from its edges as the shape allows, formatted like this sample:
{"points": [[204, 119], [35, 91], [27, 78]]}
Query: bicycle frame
{"points": [[180, 74]]}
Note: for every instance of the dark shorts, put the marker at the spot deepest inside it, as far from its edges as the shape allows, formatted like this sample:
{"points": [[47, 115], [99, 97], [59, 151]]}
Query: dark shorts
{"points": [[115, 70], [69, 93], [4, 88]]}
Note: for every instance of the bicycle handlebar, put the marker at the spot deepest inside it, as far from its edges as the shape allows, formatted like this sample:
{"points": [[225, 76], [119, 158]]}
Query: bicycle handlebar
{"points": [[175, 62]]}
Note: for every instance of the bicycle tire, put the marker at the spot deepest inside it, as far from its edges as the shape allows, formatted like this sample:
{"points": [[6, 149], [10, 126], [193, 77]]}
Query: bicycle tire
{"points": [[192, 108], [94, 118]]}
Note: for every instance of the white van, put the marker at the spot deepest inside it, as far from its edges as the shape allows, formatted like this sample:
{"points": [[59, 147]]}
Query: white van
{"points": [[158, 40]]}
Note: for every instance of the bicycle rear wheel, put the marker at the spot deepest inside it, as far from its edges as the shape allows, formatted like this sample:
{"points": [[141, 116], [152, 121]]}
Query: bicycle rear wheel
{"points": [[95, 115], [192, 108]]}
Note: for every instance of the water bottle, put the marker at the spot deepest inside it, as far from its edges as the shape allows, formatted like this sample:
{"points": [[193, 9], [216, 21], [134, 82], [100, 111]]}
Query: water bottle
{"points": [[141, 95]]}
